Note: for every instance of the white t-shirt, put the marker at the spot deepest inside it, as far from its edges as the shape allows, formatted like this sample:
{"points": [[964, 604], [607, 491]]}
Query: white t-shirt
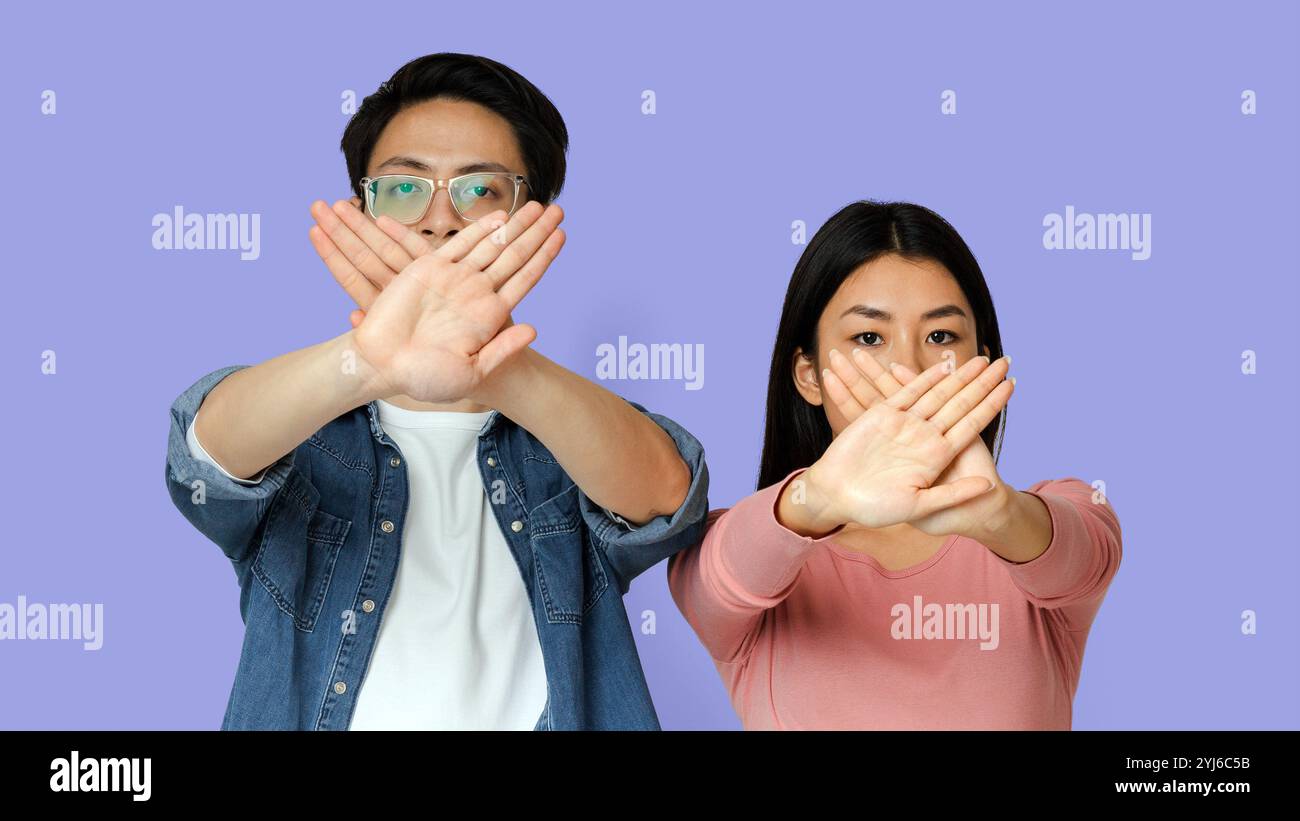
{"points": [[458, 647]]}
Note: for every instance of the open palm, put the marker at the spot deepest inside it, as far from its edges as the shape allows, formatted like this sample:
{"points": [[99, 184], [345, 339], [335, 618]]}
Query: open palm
{"points": [[974, 460], [439, 328], [882, 469], [856, 389]]}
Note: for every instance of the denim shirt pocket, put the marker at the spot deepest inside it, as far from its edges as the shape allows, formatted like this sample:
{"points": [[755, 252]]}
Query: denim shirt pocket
{"points": [[299, 547], [570, 575]]}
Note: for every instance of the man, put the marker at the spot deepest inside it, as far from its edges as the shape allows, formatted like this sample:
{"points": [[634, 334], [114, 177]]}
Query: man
{"points": [[426, 516]]}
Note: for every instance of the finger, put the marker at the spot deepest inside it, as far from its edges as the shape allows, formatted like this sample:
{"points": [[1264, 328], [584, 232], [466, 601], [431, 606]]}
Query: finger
{"points": [[969, 396], [356, 317], [955, 381], [466, 238], [902, 373], [369, 248], [517, 286], [969, 427], [859, 387], [347, 244], [491, 247], [504, 345], [412, 243], [522, 247], [882, 379], [836, 391], [908, 394], [939, 497], [361, 289]]}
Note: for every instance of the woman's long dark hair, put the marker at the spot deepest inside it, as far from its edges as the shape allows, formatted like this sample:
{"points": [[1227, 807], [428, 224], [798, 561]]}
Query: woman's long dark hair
{"points": [[796, 432]]}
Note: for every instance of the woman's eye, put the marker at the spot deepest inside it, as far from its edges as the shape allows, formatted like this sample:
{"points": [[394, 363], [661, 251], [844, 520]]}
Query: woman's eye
{"points": [[952, 337], [862, 337]]}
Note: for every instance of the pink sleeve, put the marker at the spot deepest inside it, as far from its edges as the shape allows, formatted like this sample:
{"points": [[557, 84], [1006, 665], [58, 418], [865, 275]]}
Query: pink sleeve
{"points": [[746, 564], [1072, 575]]}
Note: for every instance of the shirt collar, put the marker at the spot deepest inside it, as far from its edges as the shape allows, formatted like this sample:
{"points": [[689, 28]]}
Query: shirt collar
{"points": [[377, 430]]}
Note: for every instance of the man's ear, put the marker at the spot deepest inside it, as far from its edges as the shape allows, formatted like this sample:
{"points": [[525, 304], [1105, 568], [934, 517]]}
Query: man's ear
{"points": [[807, 379]]}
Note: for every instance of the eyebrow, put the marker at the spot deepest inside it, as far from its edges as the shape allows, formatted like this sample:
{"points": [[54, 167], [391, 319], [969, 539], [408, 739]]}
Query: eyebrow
{"points": [[420, 165], [868, 312]]}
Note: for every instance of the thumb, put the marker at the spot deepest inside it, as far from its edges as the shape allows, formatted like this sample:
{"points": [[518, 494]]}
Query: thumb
{"points": [[504, 345], [939, 497], [356, 317]]}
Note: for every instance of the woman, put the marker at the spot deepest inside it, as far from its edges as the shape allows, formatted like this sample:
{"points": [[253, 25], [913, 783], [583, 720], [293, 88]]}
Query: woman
{"points": [[884, 576]]}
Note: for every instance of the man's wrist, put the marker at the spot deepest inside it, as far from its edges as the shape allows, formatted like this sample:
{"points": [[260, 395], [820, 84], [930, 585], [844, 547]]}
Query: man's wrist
{"points": [[521, 376], [360, 382]]}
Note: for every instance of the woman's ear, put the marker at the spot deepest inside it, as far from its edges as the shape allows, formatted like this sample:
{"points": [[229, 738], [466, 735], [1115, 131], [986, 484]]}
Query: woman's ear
{"points": [[986, 352], [807, 379], [356, 201]]}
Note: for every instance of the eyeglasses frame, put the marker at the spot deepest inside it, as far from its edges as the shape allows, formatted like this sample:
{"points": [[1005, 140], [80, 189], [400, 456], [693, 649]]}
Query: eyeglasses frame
{"points": [[517, 179]]}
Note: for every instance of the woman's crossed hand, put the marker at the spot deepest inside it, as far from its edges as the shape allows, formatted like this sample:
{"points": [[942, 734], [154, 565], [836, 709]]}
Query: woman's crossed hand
{"points": [[884, 467]]}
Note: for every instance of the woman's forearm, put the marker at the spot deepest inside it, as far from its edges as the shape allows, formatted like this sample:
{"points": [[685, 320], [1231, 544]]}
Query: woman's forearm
{"points": [[256, 415], [1022, 532]]}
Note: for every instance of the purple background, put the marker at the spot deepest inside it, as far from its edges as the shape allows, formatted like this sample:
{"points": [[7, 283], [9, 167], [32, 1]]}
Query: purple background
{"points": [[1129, 371]]}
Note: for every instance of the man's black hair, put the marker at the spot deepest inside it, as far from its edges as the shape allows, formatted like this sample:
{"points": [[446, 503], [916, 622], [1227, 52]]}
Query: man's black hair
{"points": [[538, 127]]}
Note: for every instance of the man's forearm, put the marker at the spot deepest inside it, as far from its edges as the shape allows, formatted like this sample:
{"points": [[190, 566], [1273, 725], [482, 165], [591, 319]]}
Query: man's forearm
{"points": [[256, 415], [617, 455]]}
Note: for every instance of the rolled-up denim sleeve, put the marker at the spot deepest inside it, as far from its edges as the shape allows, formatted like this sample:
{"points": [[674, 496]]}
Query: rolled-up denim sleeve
{"points": [[225, 511], [632, 550]]}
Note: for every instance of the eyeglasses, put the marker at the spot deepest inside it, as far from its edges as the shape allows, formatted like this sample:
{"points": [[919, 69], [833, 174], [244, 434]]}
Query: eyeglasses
{"points": [[406, 198]]}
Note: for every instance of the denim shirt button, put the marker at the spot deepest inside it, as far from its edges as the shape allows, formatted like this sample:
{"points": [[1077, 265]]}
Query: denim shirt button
{"points": [[492, 461], [340, 687], [394, 462], [368, 605], [516, 525], [386, 526]]}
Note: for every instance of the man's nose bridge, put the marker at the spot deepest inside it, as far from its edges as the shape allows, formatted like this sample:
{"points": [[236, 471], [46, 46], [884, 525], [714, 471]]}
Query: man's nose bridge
{"points": [[441, 216], [442, 199]]}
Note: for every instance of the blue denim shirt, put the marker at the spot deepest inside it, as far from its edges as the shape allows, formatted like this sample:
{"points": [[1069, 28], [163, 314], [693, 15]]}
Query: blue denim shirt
{"points": [[315, 549]]}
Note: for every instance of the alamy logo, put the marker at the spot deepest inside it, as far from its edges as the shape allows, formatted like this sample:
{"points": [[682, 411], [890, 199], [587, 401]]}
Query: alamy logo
{"points": [[77, 774], [179, 231], [946, 621], [1103, 232], [76, 622], [658, 360]]}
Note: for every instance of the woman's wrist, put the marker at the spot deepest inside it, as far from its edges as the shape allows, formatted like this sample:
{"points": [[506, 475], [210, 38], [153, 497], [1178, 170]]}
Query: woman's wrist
{"points": [[993, 525], [804, 507]]}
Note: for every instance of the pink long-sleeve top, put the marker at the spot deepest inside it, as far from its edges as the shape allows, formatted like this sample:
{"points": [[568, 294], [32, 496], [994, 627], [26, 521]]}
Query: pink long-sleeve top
{"points": [[809, 634]]}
